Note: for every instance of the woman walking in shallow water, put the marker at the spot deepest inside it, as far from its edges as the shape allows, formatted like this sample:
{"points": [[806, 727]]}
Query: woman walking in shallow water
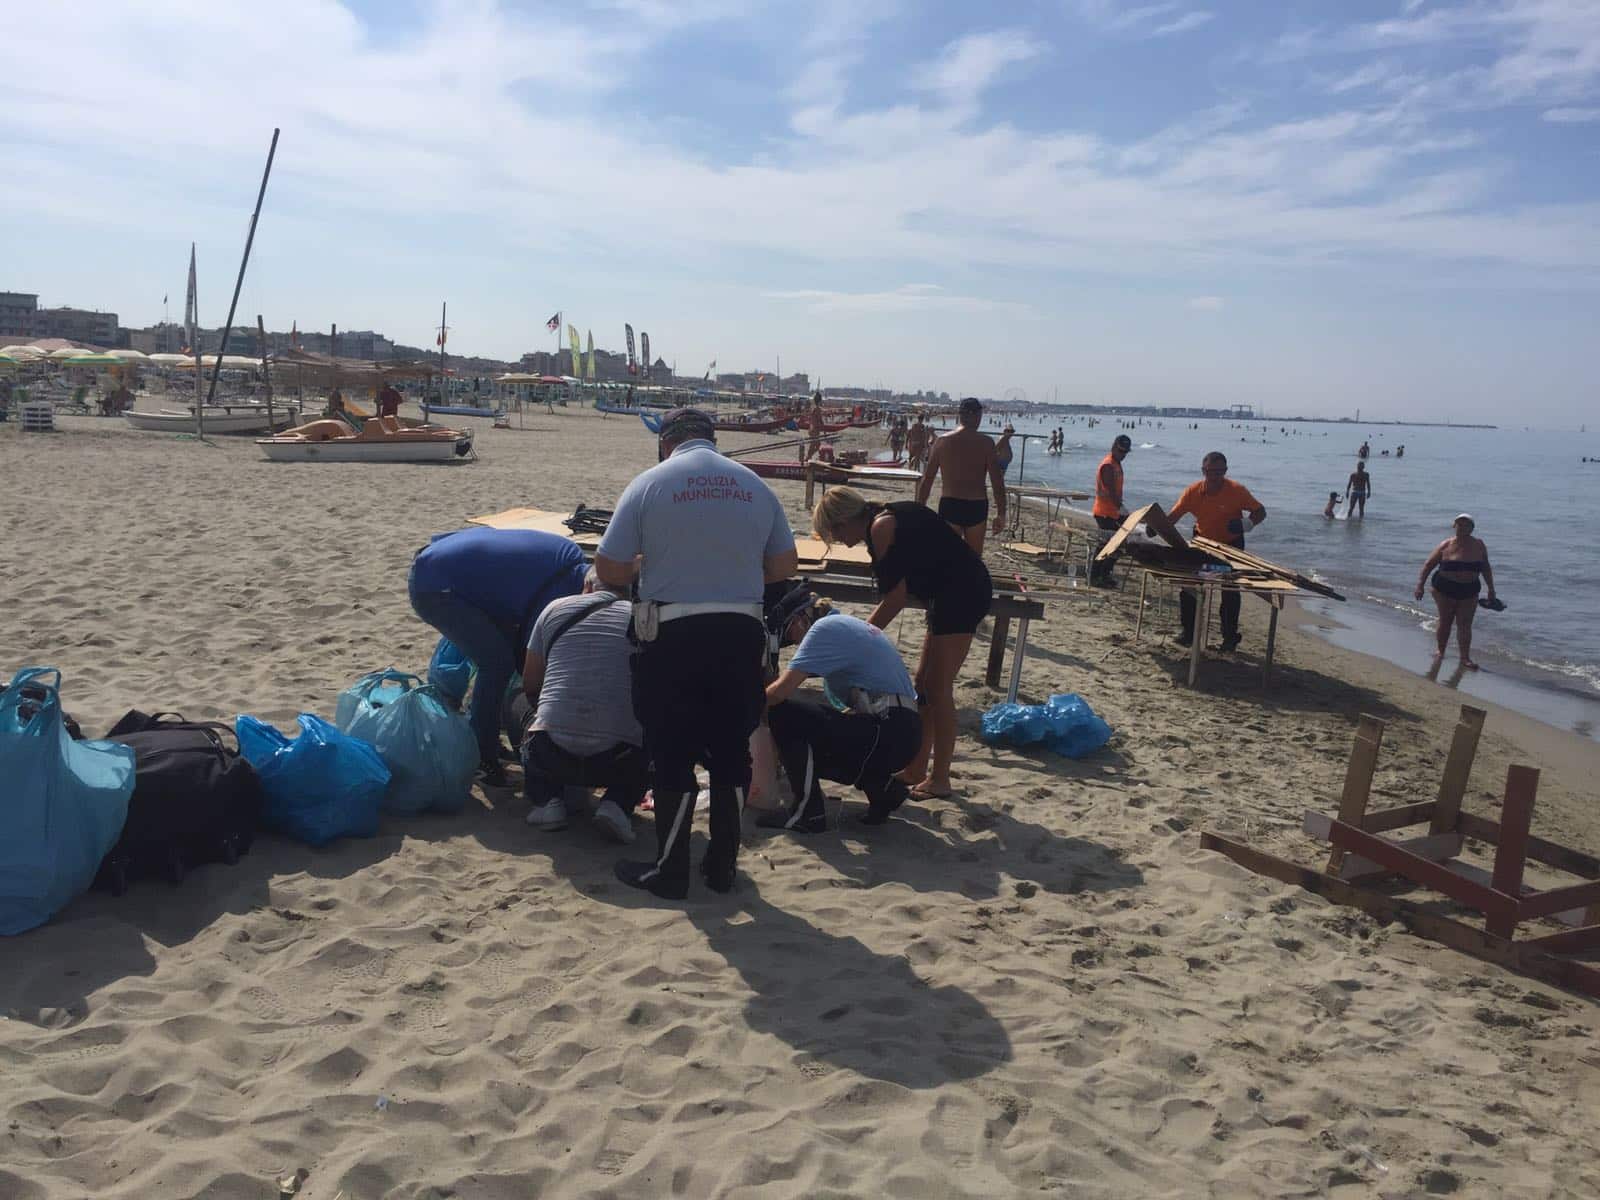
{"points": [[1456, 563]]}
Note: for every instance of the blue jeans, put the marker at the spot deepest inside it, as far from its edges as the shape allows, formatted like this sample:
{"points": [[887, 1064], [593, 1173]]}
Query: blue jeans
{"points": [[492, 647]]}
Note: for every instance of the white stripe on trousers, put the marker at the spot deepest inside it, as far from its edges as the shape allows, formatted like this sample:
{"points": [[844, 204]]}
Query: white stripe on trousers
{"points": [[805, 793], [685, 804]]}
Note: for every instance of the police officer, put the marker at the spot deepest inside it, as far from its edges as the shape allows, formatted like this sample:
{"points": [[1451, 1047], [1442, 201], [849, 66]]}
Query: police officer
{"points": [[701, 535]]}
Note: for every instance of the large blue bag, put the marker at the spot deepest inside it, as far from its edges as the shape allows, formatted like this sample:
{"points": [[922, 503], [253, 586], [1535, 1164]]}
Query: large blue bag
{"points": [[321, 785], [62, 803], [1065, 724], [431, 751], [450, 671]]}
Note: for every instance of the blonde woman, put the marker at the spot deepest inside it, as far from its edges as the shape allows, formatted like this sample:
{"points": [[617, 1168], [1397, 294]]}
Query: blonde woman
{"points": [[915, 554]]}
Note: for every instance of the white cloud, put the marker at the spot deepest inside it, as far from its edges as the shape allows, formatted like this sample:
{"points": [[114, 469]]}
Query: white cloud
{"points": [[908, 297], [1207, 303], [1162, 19], [1183, 24], [969, 65], [1571, 116]]}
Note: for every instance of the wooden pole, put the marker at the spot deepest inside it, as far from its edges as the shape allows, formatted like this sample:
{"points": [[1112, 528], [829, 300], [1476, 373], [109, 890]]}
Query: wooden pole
{"points": [[333, 353], [1457, 770], [243, 262], [1511, 851], [266, 373], [1358, 781]]}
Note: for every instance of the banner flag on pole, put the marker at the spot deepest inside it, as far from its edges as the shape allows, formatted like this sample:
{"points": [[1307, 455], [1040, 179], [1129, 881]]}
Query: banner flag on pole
{"points": [[577, 351], [191, 309], [711, 368], [588, 372], [632, 370], [554, 324], [644, 352]]}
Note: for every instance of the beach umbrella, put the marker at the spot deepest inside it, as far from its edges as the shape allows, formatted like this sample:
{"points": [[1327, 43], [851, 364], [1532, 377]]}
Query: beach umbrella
{"points": [[130, 355], [169, 360], [66, 352], [83, 358], [22, 353]]}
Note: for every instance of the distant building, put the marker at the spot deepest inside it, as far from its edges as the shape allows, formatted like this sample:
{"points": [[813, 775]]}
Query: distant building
{"points": [[18, 314], [77, 325]]}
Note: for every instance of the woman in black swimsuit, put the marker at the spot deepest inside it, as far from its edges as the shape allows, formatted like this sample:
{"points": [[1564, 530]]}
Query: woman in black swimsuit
{"points": [[1456, 564], [916, 554]]}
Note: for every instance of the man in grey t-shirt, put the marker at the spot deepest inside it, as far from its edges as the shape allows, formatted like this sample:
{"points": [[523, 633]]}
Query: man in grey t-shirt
{"points": [[583, 732]]}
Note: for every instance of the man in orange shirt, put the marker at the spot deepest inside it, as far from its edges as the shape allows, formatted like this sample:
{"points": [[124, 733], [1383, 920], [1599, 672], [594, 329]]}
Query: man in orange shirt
{"points": [[1223, 511], [1109, 511]]}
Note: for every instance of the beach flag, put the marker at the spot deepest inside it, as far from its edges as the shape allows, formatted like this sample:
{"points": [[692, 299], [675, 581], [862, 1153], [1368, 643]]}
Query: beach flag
{"points": [[589, 366], [711, 368], [439, 341], [644, 352], [191, 307], [577, 351], [631, 368], [294, 333], [554, 324]]}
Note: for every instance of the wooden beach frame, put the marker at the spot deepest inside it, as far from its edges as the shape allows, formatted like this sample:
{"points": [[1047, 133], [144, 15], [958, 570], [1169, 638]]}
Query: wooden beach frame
{"points": [[1361, 856], [1249, 573]]}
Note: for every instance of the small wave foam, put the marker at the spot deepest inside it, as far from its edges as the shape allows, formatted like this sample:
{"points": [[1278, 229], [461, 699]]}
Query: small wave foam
{"points": [[1148, 445]]}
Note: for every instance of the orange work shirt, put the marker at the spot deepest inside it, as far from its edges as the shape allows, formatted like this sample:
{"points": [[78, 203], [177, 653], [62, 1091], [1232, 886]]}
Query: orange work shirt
{"points": [[1108, 488], [1213, 510]]}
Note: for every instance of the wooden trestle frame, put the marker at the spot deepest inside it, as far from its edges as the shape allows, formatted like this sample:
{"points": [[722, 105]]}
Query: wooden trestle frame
{"points": [[1361, 856]]}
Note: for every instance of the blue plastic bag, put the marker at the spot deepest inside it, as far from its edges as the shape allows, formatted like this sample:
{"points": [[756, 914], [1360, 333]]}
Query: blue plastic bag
{"points": [[1065, 724], [321, 785], [64, 804], [431, 752], [450, 671]]}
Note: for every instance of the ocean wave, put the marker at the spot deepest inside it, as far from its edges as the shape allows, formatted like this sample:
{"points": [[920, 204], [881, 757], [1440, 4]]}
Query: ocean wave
{"points": [[1148, 445]]}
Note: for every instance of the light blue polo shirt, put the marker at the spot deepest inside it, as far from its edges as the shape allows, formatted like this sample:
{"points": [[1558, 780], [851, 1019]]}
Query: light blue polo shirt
{"points": [[850, 653], [704, 523]]}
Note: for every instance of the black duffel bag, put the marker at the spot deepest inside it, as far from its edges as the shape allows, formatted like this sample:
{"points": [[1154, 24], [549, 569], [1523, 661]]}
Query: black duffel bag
{"points": [[195, 799]]}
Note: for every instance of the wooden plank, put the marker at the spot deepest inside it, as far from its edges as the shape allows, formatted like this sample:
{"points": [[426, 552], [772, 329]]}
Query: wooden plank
{"points": [[817, 549], [1576, 897], [1244, 560], [1029, 550], [1541, 850], [1386, 819], [852, 590], [537, 519], [1150, 514], [1458, 768], [1568, 941], [1511, 851], [1418, 920], [1487, 900], [1467, 870], [1435, 847], [1358, 780], [997, 651]]}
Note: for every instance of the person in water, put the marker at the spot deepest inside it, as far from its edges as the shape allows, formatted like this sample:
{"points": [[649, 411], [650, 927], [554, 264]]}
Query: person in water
{"points": [[915, 555], [966, 460], [1356, 491], [1456, 563], [1364, 451], [1333, 503], [1002, 449]]}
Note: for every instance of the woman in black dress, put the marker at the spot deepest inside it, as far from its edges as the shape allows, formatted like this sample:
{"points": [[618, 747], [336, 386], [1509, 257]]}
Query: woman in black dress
{"points": [[916, 554]]}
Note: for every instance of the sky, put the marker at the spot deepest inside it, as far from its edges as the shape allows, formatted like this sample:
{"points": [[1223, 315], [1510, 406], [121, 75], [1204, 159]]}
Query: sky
{"points": [[1311, 207]]}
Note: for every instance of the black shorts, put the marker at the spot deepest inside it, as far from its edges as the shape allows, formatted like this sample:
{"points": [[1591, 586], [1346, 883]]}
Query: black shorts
{"points": [[1455, 589], [962, 604], [963, 514]]}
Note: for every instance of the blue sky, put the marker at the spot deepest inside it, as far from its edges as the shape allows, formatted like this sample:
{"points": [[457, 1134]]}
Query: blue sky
{"points": [[1311, 207]]}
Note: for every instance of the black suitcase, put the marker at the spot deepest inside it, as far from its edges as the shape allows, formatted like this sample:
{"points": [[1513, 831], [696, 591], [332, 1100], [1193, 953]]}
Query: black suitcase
{"points": [[195, 799]]}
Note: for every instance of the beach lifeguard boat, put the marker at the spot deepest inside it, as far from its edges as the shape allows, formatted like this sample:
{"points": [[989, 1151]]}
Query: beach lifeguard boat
{"points": [[380, 440]]}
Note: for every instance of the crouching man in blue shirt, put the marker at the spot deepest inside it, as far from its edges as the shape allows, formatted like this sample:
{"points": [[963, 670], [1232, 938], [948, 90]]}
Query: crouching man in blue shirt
{"points": [[483, 589], [863, 746]]}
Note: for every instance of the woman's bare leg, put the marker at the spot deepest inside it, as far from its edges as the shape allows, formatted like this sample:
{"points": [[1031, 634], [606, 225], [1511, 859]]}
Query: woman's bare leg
{"points": [[945, 654], [1447, 617], [915, 771], [1465, 611]]}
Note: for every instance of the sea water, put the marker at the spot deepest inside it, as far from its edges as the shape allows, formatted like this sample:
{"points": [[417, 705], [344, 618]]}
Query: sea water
{"points": [[1536, 502]]}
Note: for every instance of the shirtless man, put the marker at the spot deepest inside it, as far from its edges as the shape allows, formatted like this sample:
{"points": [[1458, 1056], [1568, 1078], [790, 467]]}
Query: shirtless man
{"points": [[967, 460], [916, 443], [1356, 491]]}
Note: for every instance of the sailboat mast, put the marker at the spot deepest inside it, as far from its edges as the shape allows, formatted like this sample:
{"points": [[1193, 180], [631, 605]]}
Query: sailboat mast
{"points": [[443, 308]]}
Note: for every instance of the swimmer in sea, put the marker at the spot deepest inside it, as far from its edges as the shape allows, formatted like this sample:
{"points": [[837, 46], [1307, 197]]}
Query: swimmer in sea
{"points": [[1356, 491], [1333, 503]]}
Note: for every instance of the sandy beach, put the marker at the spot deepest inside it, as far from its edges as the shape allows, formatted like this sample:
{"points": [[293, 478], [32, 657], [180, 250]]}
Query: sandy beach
{"points": [[1043, 986]]}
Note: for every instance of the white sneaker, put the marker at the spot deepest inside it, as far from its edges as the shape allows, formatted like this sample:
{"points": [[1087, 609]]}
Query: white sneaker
{"points": [[550, 816], [610, 817]]}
